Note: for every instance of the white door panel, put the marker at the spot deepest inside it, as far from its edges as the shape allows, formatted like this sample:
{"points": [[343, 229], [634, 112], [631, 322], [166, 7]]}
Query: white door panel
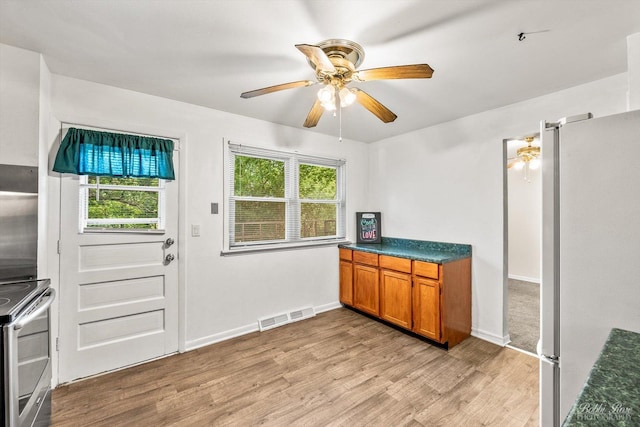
{"points": [[118, 294]]}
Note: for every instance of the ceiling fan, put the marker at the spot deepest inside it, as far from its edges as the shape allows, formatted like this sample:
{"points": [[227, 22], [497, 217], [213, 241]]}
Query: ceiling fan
{"points": [[526, 156], [336, 63]]}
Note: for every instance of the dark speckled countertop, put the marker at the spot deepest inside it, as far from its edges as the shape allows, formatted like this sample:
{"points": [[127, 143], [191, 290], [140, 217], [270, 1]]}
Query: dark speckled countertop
{"points": [[421, 250], [611, 394]]}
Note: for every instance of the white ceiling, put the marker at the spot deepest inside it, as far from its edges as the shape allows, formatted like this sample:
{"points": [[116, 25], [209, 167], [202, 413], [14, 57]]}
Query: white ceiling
{"points": [[208, 52]]}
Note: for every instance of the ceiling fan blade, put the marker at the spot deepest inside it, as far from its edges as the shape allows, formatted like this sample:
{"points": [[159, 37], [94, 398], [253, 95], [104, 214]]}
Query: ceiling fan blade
{"points": [[368, 102], [512, 164], [314, 115], [276, 88], [416, 71], [317, 56]]}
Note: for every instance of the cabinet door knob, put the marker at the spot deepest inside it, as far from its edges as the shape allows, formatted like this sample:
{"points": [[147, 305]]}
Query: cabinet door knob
{"points": [[169, 242], [169, 258]]}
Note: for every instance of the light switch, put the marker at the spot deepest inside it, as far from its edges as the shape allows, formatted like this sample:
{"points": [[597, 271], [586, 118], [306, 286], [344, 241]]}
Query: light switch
{"points": [[195, 230]]}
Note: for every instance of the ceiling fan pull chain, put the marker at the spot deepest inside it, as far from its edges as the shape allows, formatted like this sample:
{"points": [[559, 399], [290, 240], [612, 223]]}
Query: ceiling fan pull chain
{"points": [[340, 122]]}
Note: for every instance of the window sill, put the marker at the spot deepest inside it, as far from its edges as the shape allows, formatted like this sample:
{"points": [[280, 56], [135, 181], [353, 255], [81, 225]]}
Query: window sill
{"points": [[122, 231], [280, 247]]}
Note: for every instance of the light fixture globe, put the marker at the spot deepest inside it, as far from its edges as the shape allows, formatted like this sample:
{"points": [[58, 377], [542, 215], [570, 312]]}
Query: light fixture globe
{"points": [[347, 97], [325, 94]]}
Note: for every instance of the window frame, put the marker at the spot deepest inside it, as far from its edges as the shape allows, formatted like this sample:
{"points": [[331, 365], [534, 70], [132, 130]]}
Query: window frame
{"points": [[83, 205], [293, 203]]}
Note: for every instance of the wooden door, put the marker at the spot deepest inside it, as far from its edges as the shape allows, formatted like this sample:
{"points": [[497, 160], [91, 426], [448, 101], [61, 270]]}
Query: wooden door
{"points": [[118, 290], [366, 291], [346, 282], [426, 308], [395, 297]]}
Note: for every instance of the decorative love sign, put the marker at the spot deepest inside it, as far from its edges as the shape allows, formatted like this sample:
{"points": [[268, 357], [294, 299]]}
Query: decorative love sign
{"points": [[368, 225]]}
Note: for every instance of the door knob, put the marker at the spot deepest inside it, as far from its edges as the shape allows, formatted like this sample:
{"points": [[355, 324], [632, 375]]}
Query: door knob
{"points": [[169, 258], [169, 242]]}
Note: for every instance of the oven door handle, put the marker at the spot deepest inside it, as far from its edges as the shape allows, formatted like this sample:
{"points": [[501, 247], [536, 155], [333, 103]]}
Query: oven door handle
{"points": [[50, 295]]}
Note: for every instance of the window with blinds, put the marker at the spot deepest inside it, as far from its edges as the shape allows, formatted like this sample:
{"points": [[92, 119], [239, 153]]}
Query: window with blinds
{"points": [[279, 198]]}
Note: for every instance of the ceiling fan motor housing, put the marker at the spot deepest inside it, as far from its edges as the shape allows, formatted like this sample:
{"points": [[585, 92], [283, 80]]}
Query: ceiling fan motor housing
{"points": [[345, 55], [528, 153]]}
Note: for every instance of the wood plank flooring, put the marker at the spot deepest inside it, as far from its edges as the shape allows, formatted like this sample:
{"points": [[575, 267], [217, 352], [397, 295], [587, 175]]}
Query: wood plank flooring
{"points": [[338, 368]]}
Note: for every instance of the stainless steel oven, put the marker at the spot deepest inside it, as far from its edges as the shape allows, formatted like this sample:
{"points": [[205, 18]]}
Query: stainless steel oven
{"points": [[25, 349], [26, 352]]}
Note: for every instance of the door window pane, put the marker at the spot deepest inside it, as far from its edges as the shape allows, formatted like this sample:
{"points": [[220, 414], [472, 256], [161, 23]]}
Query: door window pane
{"points": [[110, 203]]}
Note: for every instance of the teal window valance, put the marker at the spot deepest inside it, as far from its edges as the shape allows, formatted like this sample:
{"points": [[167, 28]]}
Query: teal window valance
{"points": [[89, 152]]}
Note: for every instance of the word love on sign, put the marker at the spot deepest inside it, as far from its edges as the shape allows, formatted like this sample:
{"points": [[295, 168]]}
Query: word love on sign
{"points": [[368, 225]]}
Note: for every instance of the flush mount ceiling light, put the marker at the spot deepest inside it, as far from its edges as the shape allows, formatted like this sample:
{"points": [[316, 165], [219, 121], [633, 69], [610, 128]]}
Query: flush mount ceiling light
{"points": [[335, 62]]}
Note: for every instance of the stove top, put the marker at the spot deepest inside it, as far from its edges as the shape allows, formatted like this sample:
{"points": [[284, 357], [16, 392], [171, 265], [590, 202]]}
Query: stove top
{"points": [[14, 295]]}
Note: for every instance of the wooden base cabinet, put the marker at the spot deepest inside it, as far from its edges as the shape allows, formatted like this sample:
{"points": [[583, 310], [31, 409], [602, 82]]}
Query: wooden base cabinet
{"points": [[366, 288], [366, 291], [442, 300], [426, 308], [432, 300], [395, 291], [346, 277]]}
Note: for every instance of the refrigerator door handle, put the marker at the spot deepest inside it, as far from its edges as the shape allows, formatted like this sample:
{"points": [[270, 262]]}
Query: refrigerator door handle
{"points": [[549, 391], [565, 120]]}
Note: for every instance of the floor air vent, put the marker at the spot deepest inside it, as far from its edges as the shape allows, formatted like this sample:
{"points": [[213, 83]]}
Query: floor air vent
{"points": [[303, 313], [271, 322]]}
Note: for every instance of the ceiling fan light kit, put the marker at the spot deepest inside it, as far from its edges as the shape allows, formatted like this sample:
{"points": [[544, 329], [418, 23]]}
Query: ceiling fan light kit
{"points": [[527, 158], [335, 62]]}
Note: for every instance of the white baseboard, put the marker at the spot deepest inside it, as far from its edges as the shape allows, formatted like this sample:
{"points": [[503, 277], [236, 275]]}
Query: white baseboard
{"points": [[492, 338], [525, 278], [221, 336], [327, 307], [243, 330]]}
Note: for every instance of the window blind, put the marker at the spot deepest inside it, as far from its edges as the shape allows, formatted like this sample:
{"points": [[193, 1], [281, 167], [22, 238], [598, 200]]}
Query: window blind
{"points": [[254, 215]]}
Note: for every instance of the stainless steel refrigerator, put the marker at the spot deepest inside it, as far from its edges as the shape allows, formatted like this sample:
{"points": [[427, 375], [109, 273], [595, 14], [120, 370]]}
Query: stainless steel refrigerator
{"points": [[590, 248]]}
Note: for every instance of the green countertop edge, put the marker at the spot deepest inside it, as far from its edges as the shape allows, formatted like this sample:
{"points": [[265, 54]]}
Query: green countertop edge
{"points": [[611, 393], [421, 250]]}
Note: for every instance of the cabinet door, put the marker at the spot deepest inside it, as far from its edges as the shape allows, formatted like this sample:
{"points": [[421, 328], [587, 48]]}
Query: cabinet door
{"points": [[366, 292], [346, 282], [426, 308], [395, 297]]}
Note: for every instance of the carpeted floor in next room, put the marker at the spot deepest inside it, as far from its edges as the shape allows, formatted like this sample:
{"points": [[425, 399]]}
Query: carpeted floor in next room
{"points": [[524, 314]]}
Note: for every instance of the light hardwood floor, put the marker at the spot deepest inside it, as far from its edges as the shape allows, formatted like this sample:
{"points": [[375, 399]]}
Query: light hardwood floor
{"points": [[338, 368]]}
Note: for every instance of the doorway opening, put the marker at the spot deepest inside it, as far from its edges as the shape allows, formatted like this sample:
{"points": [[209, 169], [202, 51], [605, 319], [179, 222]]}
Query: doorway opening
{"points": [[522, 208]]}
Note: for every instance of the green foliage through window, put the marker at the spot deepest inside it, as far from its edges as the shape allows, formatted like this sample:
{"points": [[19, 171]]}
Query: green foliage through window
{"points": [[281, 197], [121, 203], [259, 177]]}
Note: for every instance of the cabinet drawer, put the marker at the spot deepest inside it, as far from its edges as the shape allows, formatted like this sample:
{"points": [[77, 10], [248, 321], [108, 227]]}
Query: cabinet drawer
{"points": [[346, 254], [394, 263], [425, 269], [365, 258]]}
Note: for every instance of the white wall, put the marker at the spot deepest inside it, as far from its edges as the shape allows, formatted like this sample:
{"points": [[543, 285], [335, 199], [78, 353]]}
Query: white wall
{"points": [[224, 296], [439, 183], [445, 183], [633, 66], [525, 216], [19, 106]]}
